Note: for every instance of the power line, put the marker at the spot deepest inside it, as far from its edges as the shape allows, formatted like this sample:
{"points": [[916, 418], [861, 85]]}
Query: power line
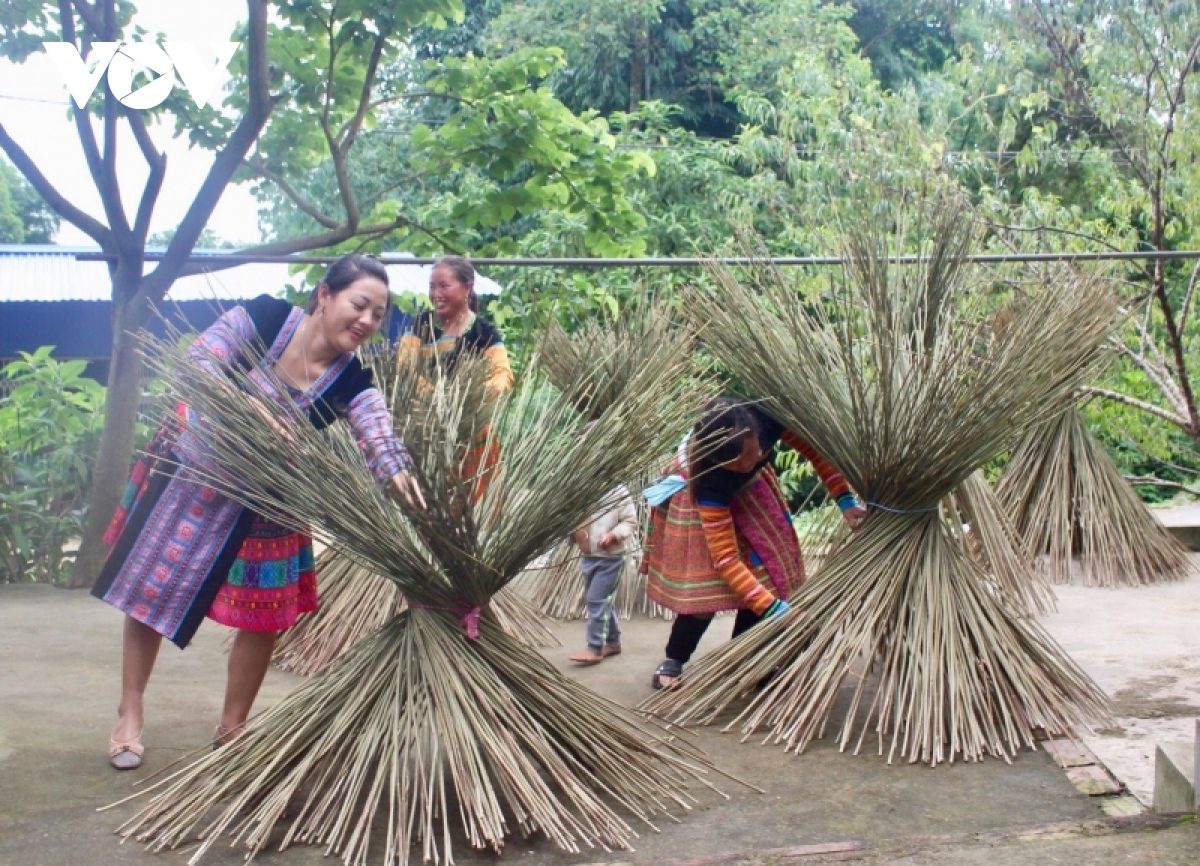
{"points": [[686, 262], [33, 99]]}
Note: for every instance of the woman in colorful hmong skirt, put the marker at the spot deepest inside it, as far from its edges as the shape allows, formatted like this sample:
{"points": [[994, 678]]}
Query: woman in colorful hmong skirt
{"points": [[182, 551], [454, 327], [720, 534]]}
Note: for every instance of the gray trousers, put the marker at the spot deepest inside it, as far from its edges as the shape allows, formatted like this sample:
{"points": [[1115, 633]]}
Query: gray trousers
{"points": [[600, 577]]}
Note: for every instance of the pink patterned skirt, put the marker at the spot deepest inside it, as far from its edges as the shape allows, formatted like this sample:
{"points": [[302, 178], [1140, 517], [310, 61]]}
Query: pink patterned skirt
{"points": [[271, 582]]}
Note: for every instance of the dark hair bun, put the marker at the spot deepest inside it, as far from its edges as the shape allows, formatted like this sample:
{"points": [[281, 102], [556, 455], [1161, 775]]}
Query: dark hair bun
{"points": [[346, 270]]}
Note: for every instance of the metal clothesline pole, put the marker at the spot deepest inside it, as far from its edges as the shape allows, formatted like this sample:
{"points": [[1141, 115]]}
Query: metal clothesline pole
{"points": [[522, 262]]}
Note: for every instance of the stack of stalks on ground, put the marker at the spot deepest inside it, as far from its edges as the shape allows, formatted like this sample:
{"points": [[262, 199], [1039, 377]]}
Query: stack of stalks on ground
{"points": [[979, 522], [439, 728], [591, 367], [902, 379], [356, 601], [1075, 511]]}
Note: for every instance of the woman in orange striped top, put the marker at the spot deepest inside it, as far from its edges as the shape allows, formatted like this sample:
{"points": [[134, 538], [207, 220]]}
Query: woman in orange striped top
{"points": [[454, 328], [724, 540]]}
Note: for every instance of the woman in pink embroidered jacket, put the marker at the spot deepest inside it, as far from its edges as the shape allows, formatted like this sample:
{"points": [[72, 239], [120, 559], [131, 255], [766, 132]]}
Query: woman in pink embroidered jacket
{"points": [[182, 551]]}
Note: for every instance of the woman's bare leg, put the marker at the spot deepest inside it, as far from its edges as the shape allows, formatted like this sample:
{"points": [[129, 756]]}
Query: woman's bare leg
{"points": [[248, 663], [139, 649]]}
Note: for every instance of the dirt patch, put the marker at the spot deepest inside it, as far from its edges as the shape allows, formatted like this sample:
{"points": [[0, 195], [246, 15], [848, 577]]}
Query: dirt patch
{"points": [[1143, 699]]}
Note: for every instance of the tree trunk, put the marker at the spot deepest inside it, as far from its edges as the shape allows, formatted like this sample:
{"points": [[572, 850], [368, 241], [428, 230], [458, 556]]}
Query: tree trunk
{"points": [[111, 470], [637, 66]]}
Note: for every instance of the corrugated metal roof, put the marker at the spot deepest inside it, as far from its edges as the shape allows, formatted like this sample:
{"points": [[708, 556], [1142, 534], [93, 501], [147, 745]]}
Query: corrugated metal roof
{"points": [[37, 272]]}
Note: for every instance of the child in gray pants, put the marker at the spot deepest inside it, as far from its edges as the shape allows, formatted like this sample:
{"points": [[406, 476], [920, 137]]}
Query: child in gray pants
{"points": [[602, 544]]}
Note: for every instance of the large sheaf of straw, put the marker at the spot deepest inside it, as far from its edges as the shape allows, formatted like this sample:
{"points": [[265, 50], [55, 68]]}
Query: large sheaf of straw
{"points": [[1072, 507], [593, 365], [897, 376], [419, 738]]}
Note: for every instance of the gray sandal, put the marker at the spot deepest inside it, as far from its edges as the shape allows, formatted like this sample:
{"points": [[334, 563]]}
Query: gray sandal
{"points": [[666, 668]]}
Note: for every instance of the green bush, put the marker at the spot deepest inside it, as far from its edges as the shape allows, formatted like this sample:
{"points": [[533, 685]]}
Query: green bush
{"points": [[50, 426]]}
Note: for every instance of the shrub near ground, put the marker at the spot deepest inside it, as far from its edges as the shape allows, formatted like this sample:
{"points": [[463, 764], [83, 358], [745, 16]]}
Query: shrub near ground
{"points": [[50, 424]]}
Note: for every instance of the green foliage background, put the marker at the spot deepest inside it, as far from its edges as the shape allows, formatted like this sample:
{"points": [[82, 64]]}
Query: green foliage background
{"points": [[674, 127], [49, 427]]}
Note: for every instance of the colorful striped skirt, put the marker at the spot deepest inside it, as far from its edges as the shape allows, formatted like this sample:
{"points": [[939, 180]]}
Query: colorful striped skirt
{"points": [[679, 567], [271, 582]]}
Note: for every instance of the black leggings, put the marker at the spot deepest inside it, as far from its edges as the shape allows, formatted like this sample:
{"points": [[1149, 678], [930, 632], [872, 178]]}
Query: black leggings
{"points": [[688, 628]]}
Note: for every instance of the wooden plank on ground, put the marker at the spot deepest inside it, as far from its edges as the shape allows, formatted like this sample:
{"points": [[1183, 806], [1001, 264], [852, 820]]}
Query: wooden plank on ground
{"points": [[1092, 780], [1068, 753]]}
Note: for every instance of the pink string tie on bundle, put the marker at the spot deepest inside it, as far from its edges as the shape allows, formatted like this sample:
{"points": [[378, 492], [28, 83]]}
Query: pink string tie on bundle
{"points": [[469, 620]]}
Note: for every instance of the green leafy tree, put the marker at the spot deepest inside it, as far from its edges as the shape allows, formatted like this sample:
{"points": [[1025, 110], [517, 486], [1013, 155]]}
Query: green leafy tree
{"points": [[1079, 134], [24, 216], [698, 55], [301, 86], [485, 160], [907, 41], [50, 423]]}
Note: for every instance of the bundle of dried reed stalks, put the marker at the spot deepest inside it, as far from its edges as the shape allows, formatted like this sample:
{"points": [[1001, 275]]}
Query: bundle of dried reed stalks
{"points": [[591, 367], [901, 378], [439, 728], [1074, 510]]}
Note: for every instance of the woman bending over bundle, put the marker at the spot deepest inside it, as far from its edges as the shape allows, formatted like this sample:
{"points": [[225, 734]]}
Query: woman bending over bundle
{"points": [[182, 551], [720, 534]]}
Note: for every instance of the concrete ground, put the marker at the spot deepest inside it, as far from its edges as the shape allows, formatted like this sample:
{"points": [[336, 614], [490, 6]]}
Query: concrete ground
{"points": [[59, 668], [1143, 647]]}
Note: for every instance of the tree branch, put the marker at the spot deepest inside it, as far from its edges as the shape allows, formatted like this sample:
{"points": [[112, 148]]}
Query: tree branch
{"points": [[225, 163], [345, 190], [349, 131], [1177, 97], [141, 225], [142, 136], [292, 193], [1187, 298], [86, 223], [83, 121], [1151, 481], [88, 14], [1157, 411], [110, 186], [1155, 70], [318, 241], [1159, 377]]}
